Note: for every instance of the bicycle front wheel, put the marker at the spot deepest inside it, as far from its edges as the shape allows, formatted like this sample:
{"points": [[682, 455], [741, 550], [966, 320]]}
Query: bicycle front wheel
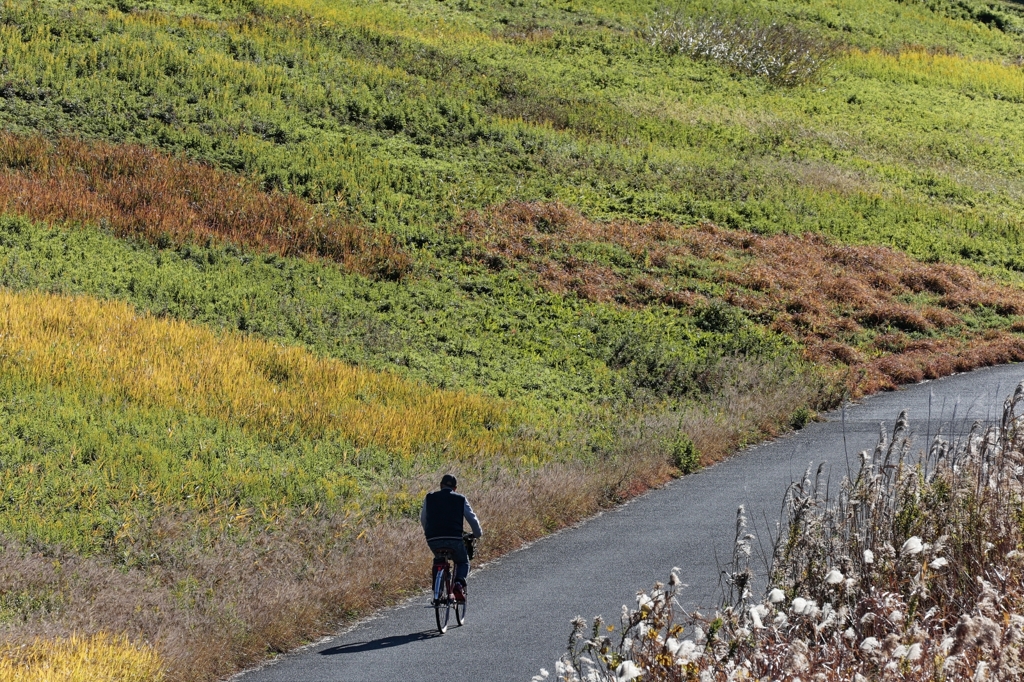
{"points": [[442, 600]]}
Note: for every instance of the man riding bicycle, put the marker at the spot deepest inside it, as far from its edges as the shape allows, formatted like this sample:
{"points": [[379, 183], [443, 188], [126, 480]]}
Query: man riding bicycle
{"points": [[441, 517]]}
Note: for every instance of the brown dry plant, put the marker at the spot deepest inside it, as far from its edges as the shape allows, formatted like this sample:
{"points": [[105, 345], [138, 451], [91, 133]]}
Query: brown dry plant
{"points": [[889, 318], [911, 572], [141, 193]]}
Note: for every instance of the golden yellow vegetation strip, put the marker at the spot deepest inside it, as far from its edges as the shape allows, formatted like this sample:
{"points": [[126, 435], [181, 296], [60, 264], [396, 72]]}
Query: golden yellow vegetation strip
{"points": [[984, 77], [100, 658], [79, 342], [380, 17]]}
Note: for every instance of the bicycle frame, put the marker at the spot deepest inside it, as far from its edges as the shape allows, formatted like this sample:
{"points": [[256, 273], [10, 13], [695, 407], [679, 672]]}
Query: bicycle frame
{"points": [[442, 578], [444, 602]]}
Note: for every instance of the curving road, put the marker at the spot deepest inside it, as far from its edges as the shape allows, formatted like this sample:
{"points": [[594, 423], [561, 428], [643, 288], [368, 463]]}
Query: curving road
{"points": [[521, 605]]}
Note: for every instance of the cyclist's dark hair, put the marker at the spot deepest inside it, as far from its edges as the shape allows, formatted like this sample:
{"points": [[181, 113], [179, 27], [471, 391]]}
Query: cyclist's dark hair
{"points": [[449, 481]]}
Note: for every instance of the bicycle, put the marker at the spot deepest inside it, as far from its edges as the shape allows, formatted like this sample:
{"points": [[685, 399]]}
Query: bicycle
{"points": [[444, 587]]}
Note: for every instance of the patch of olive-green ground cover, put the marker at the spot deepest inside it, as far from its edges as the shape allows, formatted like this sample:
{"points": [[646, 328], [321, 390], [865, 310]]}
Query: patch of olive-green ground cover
{"points": [[405, 114], [84, 473]]}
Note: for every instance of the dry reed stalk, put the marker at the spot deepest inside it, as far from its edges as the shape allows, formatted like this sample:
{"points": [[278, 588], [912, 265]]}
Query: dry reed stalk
{"points": [[142, 193], [911, 571], [825, 295]]}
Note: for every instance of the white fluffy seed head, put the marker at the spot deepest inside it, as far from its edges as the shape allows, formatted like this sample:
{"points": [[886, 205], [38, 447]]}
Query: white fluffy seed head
{"points": [[938, 564], [869, 644], [776, 596], [833, 577], [869, 556], [912, 546], [628, 670]]}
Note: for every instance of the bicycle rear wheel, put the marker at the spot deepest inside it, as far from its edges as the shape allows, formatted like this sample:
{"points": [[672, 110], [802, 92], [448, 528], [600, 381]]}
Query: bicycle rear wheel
{"points": [[460, 611], [442, 599]]}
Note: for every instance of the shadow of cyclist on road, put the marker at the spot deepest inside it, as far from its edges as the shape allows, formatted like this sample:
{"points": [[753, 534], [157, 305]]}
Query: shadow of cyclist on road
{"points": [[382, 643]]}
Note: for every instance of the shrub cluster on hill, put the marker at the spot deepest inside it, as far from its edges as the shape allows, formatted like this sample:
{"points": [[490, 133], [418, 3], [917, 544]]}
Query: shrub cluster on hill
{"points": [[889, 318], [782, 53]]}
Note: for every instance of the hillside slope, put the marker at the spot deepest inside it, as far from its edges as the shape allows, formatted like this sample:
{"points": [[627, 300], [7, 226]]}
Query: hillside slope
{"points": [[566, 249]]}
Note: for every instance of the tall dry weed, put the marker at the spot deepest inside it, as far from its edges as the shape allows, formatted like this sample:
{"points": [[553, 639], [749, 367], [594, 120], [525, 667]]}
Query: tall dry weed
{"points": [[783, 54], [912, 570]]}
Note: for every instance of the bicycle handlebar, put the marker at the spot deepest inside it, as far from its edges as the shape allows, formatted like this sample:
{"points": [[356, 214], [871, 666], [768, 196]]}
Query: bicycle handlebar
{"points": [[469, 539]]}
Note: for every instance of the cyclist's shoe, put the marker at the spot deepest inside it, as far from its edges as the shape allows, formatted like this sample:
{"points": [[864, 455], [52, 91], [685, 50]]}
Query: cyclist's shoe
{"points": [[459, 590]]}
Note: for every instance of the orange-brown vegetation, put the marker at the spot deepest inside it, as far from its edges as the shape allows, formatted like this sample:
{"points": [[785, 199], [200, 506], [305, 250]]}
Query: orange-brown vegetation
{"points": [[890, 318], [138, 192]]}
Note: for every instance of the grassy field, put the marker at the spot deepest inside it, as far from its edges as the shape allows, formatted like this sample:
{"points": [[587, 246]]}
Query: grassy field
{"points": [[405, 114], [270, 266], [110, 415]]}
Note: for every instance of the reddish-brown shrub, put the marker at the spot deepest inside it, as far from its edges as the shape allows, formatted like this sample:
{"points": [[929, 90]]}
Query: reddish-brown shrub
{"points": [[821, 293], [895, 315], [138, 192], [940, 317]]}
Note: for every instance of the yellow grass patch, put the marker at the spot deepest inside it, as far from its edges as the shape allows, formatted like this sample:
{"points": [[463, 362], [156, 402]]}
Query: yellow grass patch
{"points": [[380, 17], [917, 65], [278, 391], [100, 658]]}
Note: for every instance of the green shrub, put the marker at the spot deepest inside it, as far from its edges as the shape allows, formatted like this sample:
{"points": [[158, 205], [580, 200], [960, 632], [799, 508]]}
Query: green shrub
{"points": [[684, 454], [800, 418]]}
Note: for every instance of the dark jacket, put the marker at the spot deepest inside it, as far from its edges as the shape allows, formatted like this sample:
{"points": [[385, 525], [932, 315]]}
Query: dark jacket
{"points": [[442, 515]]}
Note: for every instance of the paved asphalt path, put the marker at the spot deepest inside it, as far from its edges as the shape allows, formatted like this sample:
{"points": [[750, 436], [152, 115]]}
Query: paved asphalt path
{"points": [[520, 606]]}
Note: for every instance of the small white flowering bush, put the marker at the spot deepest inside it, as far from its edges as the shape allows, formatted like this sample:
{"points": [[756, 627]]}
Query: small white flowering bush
{"points": [[913, 571], [782, 53]]}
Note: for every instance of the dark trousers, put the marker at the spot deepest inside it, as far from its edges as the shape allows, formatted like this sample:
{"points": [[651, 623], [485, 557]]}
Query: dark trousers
{"points": [[459, 555]]}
